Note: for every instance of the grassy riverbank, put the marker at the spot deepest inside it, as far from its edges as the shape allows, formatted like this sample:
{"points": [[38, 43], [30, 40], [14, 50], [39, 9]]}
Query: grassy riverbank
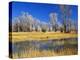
{"points": [[22, 36]]}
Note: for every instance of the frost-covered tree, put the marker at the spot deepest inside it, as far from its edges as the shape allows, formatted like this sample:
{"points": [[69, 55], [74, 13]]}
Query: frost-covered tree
{"points": [[53, 21], [23, 22]]}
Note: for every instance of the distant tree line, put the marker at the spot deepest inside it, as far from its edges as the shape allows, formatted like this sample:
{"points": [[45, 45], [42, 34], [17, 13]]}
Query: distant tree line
{"points": [[27, 23]]}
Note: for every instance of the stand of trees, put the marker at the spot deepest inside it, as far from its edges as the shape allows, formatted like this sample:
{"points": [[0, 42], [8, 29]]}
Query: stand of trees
{"points": [[27, 23], [66, 21]]}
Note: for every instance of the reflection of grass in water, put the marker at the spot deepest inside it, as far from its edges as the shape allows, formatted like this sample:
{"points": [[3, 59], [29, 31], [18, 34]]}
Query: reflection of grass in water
{"points": [[53, 48], [37, 53]]}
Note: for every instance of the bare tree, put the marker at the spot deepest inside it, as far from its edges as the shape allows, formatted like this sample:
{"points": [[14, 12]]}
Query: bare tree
{"points": [[65, 15], [74, 26], [15, 25], [53, 21]]}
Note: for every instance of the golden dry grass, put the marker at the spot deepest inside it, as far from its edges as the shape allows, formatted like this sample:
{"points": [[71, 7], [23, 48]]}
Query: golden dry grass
{"points": [[44, 53], [22, 36]]}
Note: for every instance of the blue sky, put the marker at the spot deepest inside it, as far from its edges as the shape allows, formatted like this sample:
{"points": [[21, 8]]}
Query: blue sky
{"points": [[40, 11]]}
